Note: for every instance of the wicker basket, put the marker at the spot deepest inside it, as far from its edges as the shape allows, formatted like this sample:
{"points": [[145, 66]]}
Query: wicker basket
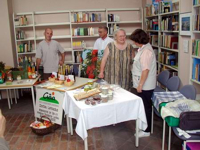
{"points": [[47, 130], [51, 79], [68, 83], [60, 82]]}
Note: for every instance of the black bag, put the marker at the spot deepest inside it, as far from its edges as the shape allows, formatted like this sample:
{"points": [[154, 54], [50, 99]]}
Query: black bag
{"points": [[190, 120]]}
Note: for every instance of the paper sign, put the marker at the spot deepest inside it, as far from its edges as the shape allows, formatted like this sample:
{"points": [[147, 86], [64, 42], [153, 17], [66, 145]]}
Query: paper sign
{"points": [[49, 104]]}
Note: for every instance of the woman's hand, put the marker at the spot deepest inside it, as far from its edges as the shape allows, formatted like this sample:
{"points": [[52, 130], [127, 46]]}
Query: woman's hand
{"points": [[101, 75], [139, 88]]}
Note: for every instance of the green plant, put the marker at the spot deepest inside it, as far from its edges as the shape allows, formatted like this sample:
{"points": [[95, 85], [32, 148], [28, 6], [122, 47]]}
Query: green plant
{"points": [[2, 66]]}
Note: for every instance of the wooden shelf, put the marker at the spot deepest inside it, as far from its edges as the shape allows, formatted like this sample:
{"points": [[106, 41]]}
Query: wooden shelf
{"points": [[169, 13], [168, 66], [195, 81], [168, 49]]}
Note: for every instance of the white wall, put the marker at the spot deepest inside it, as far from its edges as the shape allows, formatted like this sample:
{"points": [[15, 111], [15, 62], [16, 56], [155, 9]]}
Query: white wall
{"points": [[6, 49]]}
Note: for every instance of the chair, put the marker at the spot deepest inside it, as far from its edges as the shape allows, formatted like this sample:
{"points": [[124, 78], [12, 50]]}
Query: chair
{"points": [[162, 79], [188, 91], [172, 85]]}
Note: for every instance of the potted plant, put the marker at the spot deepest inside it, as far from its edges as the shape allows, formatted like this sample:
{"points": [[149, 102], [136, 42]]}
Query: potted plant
{"points": [[2, 74]]}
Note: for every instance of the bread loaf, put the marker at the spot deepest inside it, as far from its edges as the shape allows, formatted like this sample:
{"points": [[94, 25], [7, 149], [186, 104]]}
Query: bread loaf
{"points": [[84, 94]]}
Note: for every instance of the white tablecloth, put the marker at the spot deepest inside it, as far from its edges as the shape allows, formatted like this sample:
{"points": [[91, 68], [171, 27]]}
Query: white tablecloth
{"points": [[125, 106]]}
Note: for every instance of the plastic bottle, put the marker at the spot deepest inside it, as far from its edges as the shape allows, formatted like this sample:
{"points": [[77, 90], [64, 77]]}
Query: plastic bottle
{"points": [[29, 72]]}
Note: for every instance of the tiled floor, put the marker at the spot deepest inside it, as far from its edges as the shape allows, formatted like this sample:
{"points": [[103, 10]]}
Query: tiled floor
{"points": [[118, 137]]}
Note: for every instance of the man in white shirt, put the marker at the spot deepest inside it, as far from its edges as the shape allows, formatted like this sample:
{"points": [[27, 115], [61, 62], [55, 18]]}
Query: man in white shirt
{"points": [[103, 41]]}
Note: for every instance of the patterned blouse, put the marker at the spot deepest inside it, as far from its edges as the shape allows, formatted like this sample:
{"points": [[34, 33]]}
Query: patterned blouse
{"points": [[118, 66]]}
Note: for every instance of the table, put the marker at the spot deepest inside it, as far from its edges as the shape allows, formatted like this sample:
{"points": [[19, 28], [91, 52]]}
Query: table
{"points": [[125, 106], [26, 83], [160, 97]]}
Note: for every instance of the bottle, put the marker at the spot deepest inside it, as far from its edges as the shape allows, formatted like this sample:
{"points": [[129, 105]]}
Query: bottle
{"points": [[29, 72], [83, 44], [73, 73]]}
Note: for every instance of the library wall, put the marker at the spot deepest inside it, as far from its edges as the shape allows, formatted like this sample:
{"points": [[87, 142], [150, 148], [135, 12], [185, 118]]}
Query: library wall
{"points": [[52, 5], [6, 49]]}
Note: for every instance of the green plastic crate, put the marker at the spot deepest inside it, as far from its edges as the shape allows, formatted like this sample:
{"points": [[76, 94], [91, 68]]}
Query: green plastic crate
{"points": [[23, 74], [171, 121]]}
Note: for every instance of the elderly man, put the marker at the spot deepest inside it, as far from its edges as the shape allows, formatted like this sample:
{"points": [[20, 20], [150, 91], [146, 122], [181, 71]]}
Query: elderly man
{"points": [[47, 52]]}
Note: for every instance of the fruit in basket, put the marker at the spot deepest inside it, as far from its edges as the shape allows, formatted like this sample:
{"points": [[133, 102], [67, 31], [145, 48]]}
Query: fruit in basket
{"points": [[52, 78], [47, 123]]}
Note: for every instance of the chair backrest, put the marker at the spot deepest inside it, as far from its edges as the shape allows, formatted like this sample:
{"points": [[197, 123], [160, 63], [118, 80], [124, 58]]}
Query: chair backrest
{"points": [[163, 77], [188, 91], [173, 83]]}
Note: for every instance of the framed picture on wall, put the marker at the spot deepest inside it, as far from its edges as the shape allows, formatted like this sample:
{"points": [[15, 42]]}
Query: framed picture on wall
{"points": [[185, 24]]}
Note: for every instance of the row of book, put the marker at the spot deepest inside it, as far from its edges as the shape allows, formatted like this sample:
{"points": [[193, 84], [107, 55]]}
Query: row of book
{"points": [[154, 40], [196, 69], [24, 47], [152, 24], [113, 18], [168, 58], [169, 41], [112, 28], [196, 47], [85, 17], [196, 2], [170, 23], [20, 35], [83, 31], [161, 6], [21, 21], [79, 45], [196, 20]]}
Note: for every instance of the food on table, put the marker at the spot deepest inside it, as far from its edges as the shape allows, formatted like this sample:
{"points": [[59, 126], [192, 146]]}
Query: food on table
{"points": [[84, 94], [93, 103], [57, 81], [87, 102], [97, 97], [52, 78], [68, 82]]}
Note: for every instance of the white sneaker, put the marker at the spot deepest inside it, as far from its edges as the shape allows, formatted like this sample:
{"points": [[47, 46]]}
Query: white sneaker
{"points": [[143, 134]]}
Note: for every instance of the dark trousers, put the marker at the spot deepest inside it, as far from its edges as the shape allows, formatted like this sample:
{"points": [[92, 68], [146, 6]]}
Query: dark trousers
{"points": [[146, 98], [46, 76]]}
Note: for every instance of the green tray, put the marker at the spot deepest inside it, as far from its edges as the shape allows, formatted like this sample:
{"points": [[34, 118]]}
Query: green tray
{"points": [[171, 121]]}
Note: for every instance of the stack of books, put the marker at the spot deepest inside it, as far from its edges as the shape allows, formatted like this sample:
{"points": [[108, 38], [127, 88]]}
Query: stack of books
{"points": [[83, 31], [85, 17]]}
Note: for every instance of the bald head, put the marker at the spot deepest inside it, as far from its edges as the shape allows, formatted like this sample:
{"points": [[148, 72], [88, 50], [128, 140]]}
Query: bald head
{"points": [[48, 34]]}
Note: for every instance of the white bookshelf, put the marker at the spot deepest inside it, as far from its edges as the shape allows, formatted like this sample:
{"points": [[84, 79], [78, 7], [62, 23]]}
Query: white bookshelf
{"points": [[161, 32], [62, 27]]}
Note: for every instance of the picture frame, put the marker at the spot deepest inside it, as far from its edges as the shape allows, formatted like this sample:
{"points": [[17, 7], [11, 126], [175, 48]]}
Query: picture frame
{"points": [[185, 25]]}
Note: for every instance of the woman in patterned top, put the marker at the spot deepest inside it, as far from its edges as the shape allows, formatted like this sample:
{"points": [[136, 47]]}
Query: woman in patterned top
{"points": [[116, 62]]}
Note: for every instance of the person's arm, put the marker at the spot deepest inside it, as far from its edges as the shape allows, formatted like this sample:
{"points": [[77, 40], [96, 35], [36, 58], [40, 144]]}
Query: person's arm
{"points": [[38, 62], [3, 143], [103, 63], [146, 60], [142, 80], [62, 59], [62, 51]]}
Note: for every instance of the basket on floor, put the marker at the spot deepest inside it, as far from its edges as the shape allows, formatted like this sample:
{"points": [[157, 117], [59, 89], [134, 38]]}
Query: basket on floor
{"points": [[47, 130]]}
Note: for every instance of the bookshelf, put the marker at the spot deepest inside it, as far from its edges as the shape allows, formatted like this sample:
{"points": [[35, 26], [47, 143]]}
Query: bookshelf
{"points": [[70, 29], [162, 25], [195, 54]]}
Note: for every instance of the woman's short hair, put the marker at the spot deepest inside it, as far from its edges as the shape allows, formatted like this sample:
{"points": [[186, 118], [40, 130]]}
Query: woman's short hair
{"points": [[116, 31], [139, 36]]}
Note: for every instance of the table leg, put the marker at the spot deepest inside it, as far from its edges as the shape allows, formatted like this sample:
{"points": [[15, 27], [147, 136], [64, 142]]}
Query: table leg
{"points": [[71, 127], [15, 97], [17, 94], [33, 98], [10, 93], [163, 138], [152, 115], [21, 92], [86, 144], [0, 95], [7, 91], [136, 137], [67, 121], [169, 142]]}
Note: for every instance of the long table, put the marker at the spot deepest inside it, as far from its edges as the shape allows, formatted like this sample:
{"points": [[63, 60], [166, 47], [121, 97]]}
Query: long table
{"points": [[125, 106], [25, 83]]}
